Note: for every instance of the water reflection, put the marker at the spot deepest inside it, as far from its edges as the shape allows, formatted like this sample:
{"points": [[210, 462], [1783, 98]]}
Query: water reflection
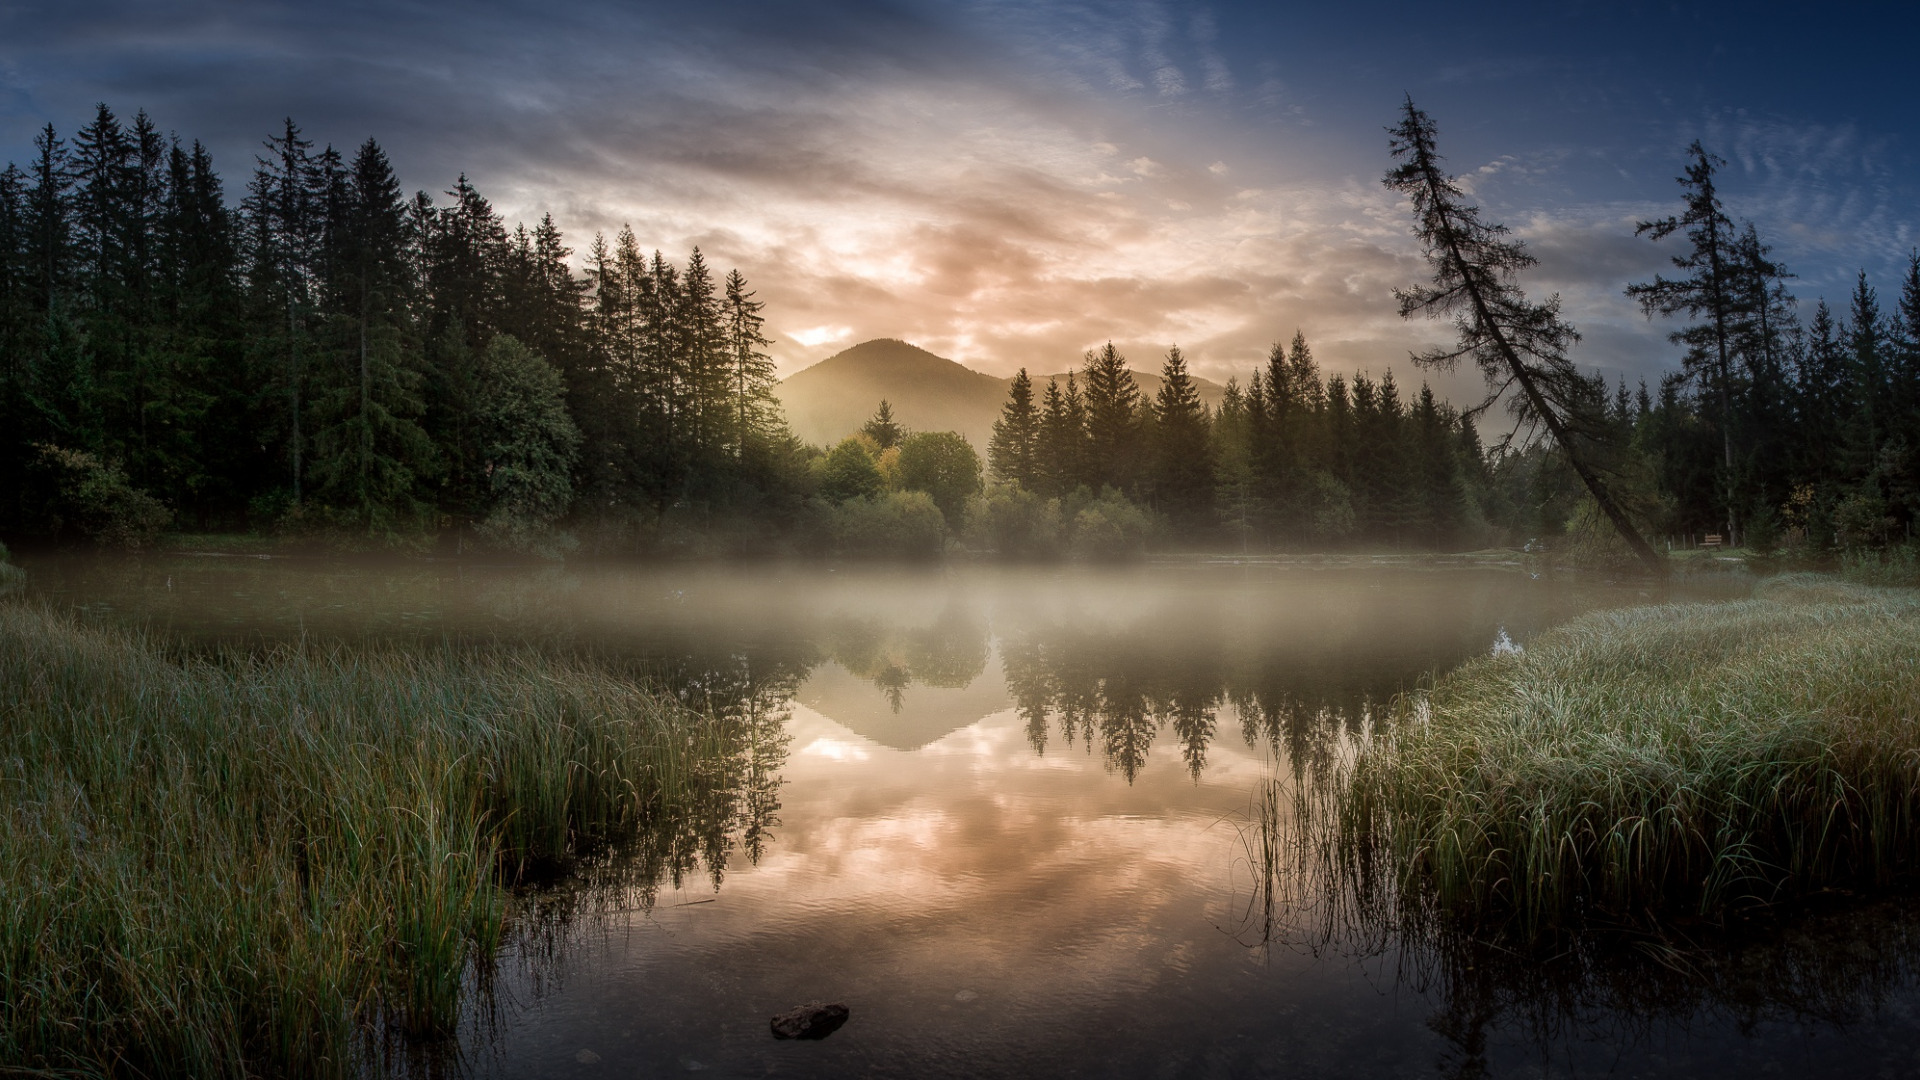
{"points": [[1106, 662], [993, 810]]}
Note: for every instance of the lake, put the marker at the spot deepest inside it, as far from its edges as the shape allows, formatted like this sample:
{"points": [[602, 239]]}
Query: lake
{"points": [[1011, 818]]}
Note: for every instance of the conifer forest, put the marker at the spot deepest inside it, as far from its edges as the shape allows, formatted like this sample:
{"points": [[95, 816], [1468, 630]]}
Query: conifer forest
{"points": [[313, 352]]}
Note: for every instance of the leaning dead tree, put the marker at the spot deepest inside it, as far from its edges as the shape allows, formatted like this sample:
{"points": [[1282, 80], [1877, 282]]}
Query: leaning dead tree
{"points": [[1516, 344]]}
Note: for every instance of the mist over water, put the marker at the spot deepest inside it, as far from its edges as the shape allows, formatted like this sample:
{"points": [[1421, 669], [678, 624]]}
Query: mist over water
{"points": [[1010, 816]]}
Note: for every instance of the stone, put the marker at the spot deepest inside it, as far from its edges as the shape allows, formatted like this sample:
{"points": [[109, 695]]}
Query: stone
{"points": [[814, 1020]]}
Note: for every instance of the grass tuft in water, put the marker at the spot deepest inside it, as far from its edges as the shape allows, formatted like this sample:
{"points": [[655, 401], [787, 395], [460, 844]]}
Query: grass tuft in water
{"points": [[1683, 757], [245, 864]]}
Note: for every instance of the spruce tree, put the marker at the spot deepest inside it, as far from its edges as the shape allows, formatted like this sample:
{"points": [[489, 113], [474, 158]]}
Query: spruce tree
{"points": [[1235, 492], [707, 367], [282, 207], [1016, 436], [1055, 468], [1710, 292], [881, 427], [1112, 420], [1514, 342], [1182, 471], [1866, 340], [371, 453], [756, 421]]}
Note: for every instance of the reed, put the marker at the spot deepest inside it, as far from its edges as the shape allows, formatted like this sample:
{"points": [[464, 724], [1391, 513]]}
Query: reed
{"points": [[245, 864], [1673, 758]]}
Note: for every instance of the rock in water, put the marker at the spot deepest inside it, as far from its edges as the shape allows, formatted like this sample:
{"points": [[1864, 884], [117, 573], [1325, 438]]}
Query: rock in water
{"points": [[814, 1020]]}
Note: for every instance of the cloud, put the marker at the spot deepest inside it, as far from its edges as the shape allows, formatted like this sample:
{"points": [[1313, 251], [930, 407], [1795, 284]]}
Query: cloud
{"points": [[1004, 182]]}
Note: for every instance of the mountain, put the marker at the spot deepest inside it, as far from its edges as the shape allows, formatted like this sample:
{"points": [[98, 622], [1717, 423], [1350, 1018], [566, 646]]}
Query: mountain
{"points": [[830, 400]]}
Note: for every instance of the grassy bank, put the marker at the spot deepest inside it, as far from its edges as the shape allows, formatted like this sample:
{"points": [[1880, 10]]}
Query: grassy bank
{"points": [[1682, 757], [264, 864]]}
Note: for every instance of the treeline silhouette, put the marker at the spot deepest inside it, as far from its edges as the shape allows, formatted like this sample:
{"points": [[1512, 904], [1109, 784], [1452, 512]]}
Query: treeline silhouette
{"points": [[331, 355], [1774, 432], [1775, 429], [1293, 458]]}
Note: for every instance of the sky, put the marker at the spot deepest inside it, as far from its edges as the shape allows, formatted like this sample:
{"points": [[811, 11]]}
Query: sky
{"points": [[1011, 183]]}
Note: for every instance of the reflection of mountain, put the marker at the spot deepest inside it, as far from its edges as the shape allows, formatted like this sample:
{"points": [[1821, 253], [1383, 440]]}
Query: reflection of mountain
{"points": [[925, 714], [830, 400]]}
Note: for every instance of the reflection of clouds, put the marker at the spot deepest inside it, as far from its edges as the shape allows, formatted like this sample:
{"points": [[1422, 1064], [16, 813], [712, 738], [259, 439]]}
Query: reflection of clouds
{"points": [[835, 750], [969, 821]]}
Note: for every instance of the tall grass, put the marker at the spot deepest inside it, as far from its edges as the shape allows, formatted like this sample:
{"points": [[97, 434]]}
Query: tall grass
{"points": [[1899, 565], [1681, 757], [262, 864]]}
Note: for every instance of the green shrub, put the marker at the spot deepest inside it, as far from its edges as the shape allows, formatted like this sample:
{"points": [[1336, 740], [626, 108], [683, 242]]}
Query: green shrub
{"points": [[847, 472], [898, 524], [1015, 523], [944, 465], [1110, 527], [1592, 542], [529, 445], [93, 498]]}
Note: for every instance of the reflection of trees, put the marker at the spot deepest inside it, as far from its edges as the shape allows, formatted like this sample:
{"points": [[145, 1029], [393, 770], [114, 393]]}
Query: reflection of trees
{"points": [[1119, 689], [1596, 986], [734, 762], [1831, 969], [950, 652]]}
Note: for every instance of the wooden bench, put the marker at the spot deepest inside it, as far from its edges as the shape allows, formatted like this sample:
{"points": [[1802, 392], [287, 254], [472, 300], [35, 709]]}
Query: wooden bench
{"points": [[1712, 540]]}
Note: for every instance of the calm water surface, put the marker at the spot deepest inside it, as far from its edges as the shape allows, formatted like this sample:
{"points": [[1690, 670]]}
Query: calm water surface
{"points": [[1012, 829]]}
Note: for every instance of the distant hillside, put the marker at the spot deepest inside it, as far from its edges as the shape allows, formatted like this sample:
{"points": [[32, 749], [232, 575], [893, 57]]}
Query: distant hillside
{"points": [[830, 400]]}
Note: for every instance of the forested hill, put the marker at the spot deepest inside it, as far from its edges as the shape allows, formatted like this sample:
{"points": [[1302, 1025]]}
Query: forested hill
{"points": [[825, 402], [830, 400]]}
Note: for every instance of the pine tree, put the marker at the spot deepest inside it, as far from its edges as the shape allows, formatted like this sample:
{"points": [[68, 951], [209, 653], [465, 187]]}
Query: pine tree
{"points": [[708, 368], [1182, 470], [1016, 436], [370, 451], [1513, 342], [16, 316], [1437, 485], [282, 206], [881, 427], [756, 412], [216, 420], [49, 253], [1710, 291], [463, 247], [1235, 491], [1821, 385], [1276, 430], [1055, 468], [1112, 420], [1872, 409], [1904, 372]]}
